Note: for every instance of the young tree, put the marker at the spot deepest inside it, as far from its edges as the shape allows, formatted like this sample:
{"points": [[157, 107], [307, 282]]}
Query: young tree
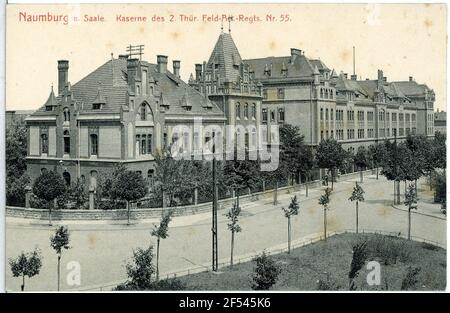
{"points": [[28, 264], [140, 270], [330, 155], [161, 231], [393, 156], [59, 241], [307, 163], [240, 174], [411, 203], [266, 272], [324, 201], [291, 210], [129, 186], [361, 160], [233, 226], [291, 149], [377, 154], [358, 196], [48, 186]]}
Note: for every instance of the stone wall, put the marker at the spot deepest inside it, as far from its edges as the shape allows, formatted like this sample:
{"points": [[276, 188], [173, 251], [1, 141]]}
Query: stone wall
{"points": [[148, 213]]}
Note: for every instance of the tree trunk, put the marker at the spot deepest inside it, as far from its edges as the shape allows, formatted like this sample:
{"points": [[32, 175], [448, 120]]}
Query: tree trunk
{"points": [[157, 259], [237, 199], [163, 199], [232, 248], [325, 223], [289, 235], [409, 223], [264, 185], [377, 171], [357, 217], [22, 287], [128, 213], [275, 194], [332, 179], [398, 192], [306, 185], [395, 192], [59, 271], [361, 174]]}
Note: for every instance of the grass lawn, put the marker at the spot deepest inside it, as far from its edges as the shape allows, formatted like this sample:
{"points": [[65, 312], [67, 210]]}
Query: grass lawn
{"points": [[330, 263]]}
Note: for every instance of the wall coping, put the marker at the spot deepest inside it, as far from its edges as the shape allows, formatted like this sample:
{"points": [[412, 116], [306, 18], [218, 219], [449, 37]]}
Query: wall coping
{"points": [[147, 213]]}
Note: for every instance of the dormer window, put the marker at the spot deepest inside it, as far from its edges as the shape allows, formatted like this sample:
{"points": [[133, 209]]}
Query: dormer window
{"points": [[96, 106]]}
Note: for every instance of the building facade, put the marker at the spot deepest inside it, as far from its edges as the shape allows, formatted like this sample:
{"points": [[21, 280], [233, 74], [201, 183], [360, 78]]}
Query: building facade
{"points": [[127, 110], [440, 121]]}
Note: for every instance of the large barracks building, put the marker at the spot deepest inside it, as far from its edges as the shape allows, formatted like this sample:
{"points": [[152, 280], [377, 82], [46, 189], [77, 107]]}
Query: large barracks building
{"points": [[127, 109]]}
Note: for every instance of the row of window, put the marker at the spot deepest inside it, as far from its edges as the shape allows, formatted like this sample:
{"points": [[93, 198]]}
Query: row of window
{"points": [[281, 115], [245, 110], [361, 114]]}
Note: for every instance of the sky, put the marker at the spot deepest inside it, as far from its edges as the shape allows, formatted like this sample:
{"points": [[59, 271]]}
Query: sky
{"points": [[401, 39]]}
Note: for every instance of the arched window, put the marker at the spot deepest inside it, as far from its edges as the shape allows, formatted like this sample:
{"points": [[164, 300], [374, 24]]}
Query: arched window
{"points": [[254, 110], [66, 115], [143, 112], [44, 143], [94, 144], [246, 110], [66, 142], [238, 110], [66, 177]]}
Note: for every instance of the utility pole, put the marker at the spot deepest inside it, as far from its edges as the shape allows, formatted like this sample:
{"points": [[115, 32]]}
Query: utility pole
{"points": [[214, 209]]}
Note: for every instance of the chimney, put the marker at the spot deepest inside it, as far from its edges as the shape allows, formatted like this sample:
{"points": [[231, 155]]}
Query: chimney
{"points": [[345, 75], [63, 75], [380, 78], [132, 66], [294, 53], [176, 68], [411, 79], [198, 71], [123, 56], [353, 77], [162, 63], [384, 78]]}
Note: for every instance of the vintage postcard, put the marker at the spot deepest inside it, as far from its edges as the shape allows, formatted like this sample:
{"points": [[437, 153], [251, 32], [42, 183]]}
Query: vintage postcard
{"points": [[226, 147]]}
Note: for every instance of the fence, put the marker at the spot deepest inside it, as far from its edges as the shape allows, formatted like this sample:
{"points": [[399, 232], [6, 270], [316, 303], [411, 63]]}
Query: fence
{"points": [[148, 213], [271, 251]]}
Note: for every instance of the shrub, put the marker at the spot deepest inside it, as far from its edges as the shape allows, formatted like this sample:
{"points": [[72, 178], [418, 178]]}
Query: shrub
{"points": [[266, 272], [410, 281]]}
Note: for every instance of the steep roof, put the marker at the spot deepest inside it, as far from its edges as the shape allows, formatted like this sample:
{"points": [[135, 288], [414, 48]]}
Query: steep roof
{"points": [[300, 67], [226, 57], [411, 88], [343, 83], [108, 84]]}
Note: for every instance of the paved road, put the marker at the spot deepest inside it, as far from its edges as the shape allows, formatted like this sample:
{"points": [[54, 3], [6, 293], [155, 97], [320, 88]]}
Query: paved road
{"points": [[102, 250]]}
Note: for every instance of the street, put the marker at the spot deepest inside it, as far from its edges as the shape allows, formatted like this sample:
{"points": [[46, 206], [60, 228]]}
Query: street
{"points": [[103, 249]]}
